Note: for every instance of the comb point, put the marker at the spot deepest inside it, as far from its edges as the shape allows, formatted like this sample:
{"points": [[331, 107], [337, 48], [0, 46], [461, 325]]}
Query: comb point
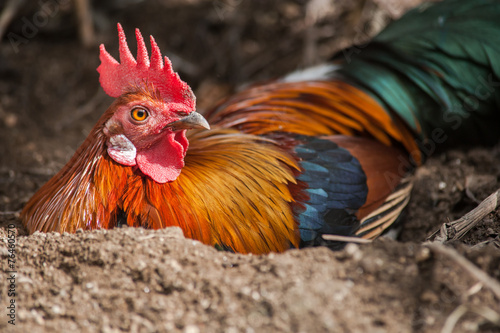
{"points": [[126, 56], [142, 52], [117, 78], [156, 61]]}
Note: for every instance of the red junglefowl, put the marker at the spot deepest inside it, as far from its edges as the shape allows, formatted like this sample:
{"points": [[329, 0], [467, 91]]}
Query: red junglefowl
{"points": [[320, 152]]}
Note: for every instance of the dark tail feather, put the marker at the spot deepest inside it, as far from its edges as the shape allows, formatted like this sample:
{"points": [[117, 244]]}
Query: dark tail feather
{"points": [[438, 68]]}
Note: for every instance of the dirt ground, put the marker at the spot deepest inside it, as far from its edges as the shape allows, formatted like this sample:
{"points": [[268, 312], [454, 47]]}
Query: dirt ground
{"points": [[145, 281]]}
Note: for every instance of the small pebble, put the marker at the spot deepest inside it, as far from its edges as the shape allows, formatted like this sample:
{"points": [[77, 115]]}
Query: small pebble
{"points": [[191, 329], [422, 254], [10, 120], [353, 251], [429, 296], [56, 309]]}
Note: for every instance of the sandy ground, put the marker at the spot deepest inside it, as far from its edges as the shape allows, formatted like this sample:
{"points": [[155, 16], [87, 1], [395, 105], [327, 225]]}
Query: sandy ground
{"points": [[144, 281]]}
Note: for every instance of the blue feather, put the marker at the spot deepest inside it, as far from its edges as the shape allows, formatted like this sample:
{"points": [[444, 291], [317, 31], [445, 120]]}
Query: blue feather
{"points": [[336, 188]]}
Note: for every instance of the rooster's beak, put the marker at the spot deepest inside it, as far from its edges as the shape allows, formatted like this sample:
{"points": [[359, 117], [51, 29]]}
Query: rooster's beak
{"points": [[193, 120]]}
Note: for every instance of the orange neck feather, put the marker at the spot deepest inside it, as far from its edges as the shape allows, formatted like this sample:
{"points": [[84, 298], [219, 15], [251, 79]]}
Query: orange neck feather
{"points": [[235, 193], [231, 193]]}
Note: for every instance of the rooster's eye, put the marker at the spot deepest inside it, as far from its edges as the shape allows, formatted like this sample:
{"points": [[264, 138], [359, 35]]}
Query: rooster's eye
{"points": [[139, 114]]}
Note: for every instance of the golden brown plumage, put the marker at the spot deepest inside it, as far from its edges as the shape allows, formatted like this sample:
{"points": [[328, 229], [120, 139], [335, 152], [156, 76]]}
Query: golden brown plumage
{"points": [[288, 163], [92, 191], [311, 108], [251, 180]]}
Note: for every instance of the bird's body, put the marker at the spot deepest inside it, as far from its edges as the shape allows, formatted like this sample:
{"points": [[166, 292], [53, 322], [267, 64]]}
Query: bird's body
{"points": [[287, 162]]}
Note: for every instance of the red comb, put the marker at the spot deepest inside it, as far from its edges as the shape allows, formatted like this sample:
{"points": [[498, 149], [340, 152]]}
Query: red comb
{"points": [[117, 78]]}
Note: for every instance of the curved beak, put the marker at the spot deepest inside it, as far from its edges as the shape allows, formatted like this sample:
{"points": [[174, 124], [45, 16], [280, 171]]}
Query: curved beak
{"points": [[193, 120]]}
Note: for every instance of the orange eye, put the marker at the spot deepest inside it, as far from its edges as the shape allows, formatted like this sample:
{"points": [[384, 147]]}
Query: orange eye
{"points": [[139, 114]]}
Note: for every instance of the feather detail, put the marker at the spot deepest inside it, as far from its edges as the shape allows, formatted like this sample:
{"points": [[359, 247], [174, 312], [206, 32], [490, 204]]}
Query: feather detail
{"points": [[336, 188], [248, 208], [385, 167], [311, 108], [233, 192], [437, 69], [388, 173], [82, 194], [380, 219]]}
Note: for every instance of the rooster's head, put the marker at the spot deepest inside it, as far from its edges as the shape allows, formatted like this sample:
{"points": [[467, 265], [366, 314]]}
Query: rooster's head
{"points": [[147, 123]]}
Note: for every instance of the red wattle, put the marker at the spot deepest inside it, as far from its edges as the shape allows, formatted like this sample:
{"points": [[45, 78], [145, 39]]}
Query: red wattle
{"points": [[164, 161]]}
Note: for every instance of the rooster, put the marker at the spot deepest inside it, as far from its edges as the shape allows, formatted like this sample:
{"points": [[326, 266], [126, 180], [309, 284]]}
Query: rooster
{"points": [[289, 163]]}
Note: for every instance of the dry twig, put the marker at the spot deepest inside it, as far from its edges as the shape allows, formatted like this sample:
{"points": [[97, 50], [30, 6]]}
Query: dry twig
{"points": [[346, 239], [457, 229], [469, 267], [461, 310], [8, 13], [10, 212], [85, 24]]}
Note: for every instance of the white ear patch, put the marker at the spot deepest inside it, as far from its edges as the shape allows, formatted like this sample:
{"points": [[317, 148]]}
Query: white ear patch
{"points": [[121, 150]]}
